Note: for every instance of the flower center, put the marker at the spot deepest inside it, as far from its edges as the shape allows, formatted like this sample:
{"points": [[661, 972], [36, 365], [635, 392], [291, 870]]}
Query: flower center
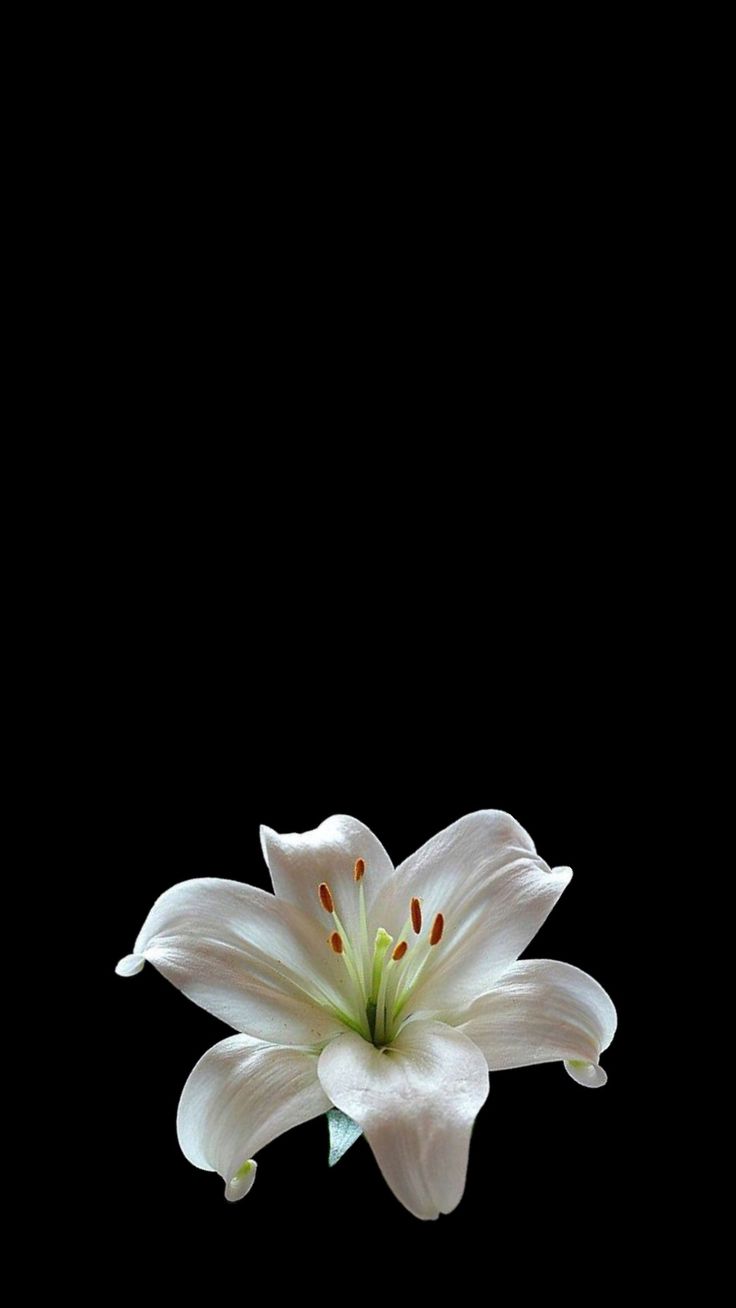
{"points": [[382, 978]]}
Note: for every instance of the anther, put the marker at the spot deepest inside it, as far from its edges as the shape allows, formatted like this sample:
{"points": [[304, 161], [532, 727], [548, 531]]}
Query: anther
{"points": [[336, 942], [416, 915], [325, 898], [438, 927], [399, 951], [359, 872]]}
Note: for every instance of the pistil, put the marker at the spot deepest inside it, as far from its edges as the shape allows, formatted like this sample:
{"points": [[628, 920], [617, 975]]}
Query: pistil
{"points": [[380, 948], [374, 1007]]}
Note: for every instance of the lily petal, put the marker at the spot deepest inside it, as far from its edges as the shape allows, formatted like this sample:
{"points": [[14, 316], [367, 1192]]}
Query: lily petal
{"points": [[130, 965], [493, 890], [254, 961], [242, 1094], [590, 1075], [298, 863], [541, 1011], [416, 1101]]}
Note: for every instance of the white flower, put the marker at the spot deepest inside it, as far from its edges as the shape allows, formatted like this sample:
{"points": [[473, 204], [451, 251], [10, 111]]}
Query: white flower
{"points": [[386, 993]]}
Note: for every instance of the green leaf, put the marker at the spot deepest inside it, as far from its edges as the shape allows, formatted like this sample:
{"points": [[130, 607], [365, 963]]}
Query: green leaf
{"points": [[343, 1133]]}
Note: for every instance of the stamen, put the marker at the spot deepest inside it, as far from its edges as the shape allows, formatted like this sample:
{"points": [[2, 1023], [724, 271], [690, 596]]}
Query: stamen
{"points": [[325, 898], [359, 872], [399, 951], [336, 942], [416, 915], [438, 927]]}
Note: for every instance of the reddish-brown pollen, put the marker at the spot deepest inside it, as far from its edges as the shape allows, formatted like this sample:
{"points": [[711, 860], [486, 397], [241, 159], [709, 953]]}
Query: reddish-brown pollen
{"points": [[325, 898], [416, 915], [438, 927], [400, 950], [359, 872], [336, 942]]}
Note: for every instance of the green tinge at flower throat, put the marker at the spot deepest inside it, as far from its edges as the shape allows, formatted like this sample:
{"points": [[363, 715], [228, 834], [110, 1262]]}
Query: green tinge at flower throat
{"points": [[382, 978]]}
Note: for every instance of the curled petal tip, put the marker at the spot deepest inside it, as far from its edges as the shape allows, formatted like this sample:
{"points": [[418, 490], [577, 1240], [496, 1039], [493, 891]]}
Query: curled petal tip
{"points": [[242, 1181], [588, 1074], [130, 965]]}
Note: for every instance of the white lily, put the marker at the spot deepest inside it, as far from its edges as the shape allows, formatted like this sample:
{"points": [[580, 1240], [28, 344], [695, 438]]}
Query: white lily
{"points": [[388, 994]]}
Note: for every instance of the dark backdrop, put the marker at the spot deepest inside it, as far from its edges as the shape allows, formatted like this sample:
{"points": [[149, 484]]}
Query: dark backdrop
{"points": [[372, 527]]}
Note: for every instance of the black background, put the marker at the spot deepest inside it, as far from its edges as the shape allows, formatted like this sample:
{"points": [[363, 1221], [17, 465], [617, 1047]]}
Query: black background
{"points": [[313, 709], [369, 524]]}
